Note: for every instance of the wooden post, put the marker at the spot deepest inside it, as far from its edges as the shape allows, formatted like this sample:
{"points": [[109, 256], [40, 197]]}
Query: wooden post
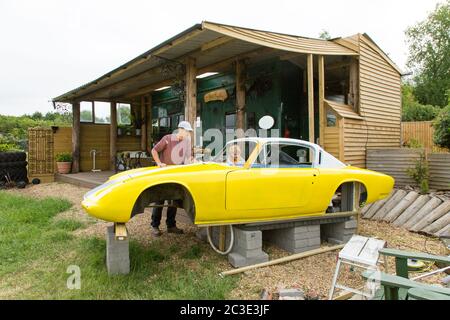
{"points": [[310, 69], [76, 137], [149, 129], [322, 113], [143, 125], [113, 137], [354, 85], [240, 98], [191, 92]]}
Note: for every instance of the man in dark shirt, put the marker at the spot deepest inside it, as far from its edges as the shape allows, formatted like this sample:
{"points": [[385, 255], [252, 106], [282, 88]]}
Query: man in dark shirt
{"points": [[172, 149]]}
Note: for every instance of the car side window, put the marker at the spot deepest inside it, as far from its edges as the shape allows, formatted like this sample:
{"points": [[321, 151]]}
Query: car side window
{"points": [[287, 155]]}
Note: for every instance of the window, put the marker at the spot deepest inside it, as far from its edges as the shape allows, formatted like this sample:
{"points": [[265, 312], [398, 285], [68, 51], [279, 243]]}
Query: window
{"points": [[86, 112], [331, 118], [102, 111], [278, 155], [123, 114], [235, 154]]}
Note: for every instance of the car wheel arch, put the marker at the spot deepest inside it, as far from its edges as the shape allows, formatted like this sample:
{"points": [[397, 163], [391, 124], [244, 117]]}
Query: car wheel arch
{"points": [[343, 182], [165, 191]]}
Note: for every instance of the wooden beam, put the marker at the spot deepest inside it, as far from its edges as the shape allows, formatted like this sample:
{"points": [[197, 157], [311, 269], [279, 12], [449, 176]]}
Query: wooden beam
{"points": [[354, 85], [282, 260], [113, 136], [240, 98], [190, 111], [149, 122], [216, 43], [76, 137], [143, 125], [214, 67], [322, 122], [310, 71]]}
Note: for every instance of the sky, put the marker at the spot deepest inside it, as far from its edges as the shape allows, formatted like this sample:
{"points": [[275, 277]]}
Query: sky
{"points": [[49, 47]]}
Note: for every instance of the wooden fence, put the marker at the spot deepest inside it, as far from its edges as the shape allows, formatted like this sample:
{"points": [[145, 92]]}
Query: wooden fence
{"points": [[396, 162], [421, 132], [40, 154]]}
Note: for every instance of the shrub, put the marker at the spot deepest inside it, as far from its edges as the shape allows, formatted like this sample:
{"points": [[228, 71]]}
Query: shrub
{"points": [[420, 173], [64, 157], [442, 128], [419, 112], [4, 147]]}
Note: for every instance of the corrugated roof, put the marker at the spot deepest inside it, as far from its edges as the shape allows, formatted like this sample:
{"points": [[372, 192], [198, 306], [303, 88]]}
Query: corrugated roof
{"points": [[191, 40], [343, 110]]}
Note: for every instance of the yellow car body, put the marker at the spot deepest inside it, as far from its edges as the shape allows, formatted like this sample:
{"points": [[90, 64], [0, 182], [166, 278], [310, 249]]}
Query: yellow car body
{"points": [[218, 193]]}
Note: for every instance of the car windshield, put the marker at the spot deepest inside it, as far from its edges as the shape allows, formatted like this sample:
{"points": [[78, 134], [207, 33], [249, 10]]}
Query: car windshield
{"points": [[235, 153]]}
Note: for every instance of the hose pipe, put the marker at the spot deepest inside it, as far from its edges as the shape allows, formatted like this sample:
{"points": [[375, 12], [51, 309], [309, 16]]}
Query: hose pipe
{"points": [[211, 243]]}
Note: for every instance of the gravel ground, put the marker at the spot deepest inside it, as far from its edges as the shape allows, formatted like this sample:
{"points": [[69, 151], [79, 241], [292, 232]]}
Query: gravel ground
{"points": [[313, 274]]}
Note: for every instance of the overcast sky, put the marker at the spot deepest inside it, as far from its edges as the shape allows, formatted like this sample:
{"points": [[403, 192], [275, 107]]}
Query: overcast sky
{"points": [[48, 47]]}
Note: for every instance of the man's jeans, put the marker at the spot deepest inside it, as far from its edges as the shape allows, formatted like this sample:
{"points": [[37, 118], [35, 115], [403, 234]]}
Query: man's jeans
{"points": [[157, 215]]}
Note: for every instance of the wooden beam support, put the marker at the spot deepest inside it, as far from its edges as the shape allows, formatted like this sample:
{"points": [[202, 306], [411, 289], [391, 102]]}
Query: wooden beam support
{"points": [[310, 72], [214, 67], [120, 231], [190, 112], [149, 122], [353, 98], [322, 122], [76, 137], [240, 98], [113, 136], [143, 125]]}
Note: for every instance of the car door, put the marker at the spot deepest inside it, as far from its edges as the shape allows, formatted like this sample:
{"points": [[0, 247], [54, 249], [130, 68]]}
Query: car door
{"points": [[282, 177]]}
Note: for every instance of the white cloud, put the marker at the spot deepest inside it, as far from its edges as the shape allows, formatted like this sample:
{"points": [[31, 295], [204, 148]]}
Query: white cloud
{"points": [[51, 46]]}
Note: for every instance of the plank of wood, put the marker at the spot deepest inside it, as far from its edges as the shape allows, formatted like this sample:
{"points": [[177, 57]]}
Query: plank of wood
{"points": [[432, 216], [113, 136], [427, 208], [411, 210], [366, 208], [401, 206], [282, 260], [390, 204], [444, 232], [377, 205], [438, 224]]}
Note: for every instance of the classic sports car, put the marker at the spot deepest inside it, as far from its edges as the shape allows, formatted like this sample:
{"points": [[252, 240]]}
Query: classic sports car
{"points": [[250, 180]]}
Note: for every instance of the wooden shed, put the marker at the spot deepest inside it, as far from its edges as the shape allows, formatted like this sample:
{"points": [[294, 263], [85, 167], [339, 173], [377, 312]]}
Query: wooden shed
{"points": [[342, 93]]}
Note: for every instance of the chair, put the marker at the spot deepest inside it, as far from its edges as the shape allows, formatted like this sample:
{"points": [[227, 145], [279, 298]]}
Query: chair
{"points": [[360, 252], [397, 287]]}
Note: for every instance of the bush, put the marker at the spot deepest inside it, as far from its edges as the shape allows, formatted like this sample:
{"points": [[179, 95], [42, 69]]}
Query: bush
{"points": [[419, 112], [442, 128], [64, 157], [4, 147], [420, 173]]}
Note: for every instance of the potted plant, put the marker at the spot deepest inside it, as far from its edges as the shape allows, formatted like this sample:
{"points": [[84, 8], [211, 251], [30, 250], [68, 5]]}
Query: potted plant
{"points": [[64, 162], [138, 122]]}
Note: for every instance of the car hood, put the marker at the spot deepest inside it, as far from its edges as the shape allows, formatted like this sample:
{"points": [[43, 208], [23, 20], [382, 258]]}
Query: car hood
{"points": [[175, 169]]}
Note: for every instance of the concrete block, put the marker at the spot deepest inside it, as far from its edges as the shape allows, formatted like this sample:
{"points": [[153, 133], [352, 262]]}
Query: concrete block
{"points": [[237, 260], [291, 294], [351, 224], [201, 234], [295, 239], [117, 254]]}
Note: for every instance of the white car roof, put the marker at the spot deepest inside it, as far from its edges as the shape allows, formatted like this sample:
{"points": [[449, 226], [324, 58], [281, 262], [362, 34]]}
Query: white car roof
{"points": [[285, 140], [327, 160]]}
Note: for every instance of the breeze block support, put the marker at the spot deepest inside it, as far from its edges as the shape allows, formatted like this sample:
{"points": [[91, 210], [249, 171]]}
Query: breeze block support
{"points": [[247, 248], [295, 239], [339, 233], [117, 253]]}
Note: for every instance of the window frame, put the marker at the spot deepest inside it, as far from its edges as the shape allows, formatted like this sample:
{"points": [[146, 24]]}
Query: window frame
{"points": [[313, 149]]}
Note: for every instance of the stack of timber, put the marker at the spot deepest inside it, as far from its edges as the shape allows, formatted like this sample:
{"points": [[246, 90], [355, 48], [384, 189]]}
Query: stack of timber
{"points": [[412, 211]]}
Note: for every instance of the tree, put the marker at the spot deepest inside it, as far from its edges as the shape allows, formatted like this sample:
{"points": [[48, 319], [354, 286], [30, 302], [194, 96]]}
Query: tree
{"points": [[412, 110], [429, 56], [325, 35], [442, 128]]}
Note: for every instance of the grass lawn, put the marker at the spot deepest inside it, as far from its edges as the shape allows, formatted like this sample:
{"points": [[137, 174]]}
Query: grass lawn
{"points": [[36, 250]]}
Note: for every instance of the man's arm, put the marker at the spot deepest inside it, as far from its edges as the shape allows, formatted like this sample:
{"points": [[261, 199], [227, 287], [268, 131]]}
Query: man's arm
{"points": [[159, 147]]}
